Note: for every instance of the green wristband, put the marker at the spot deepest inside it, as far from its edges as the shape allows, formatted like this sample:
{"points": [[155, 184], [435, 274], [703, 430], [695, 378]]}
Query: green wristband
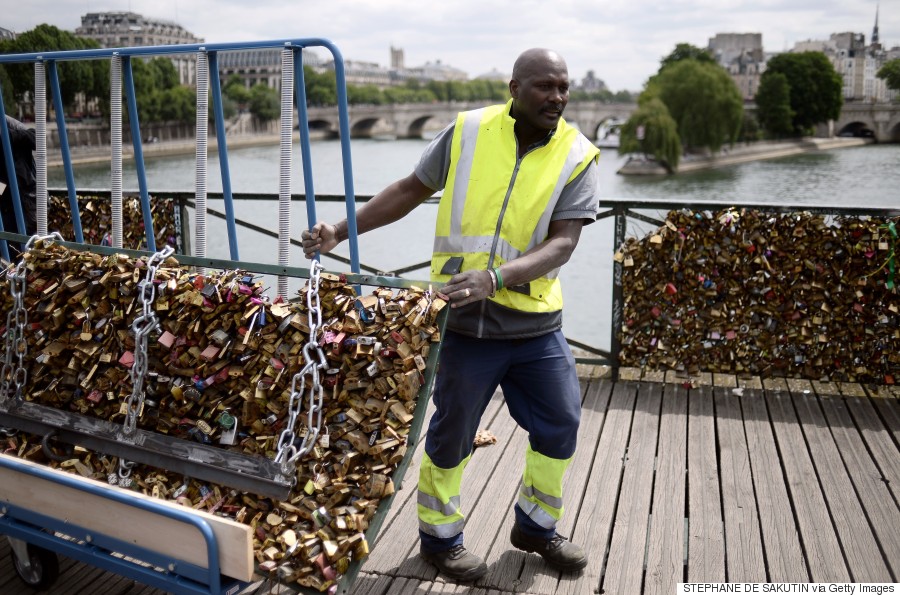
{"points": [[499, 278]]}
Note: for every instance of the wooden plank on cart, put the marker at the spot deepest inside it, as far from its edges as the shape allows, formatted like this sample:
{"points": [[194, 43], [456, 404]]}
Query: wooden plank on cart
{"points": [[128, 523]]}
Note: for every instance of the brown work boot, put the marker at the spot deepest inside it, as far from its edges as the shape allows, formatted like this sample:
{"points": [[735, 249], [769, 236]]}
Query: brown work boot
{"points": [[559, 552], [457, 563]]}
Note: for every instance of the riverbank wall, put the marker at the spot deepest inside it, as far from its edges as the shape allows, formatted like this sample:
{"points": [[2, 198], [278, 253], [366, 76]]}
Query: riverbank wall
{"points": [[741, 153], [101, 154]]}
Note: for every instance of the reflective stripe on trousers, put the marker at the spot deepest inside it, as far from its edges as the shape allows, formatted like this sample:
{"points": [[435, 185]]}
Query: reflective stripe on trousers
{"points": [[540, 494], [438, 498]]}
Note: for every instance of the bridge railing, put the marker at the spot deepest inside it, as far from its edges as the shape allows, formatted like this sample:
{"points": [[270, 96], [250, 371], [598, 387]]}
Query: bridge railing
{"points": [[618, 220]]}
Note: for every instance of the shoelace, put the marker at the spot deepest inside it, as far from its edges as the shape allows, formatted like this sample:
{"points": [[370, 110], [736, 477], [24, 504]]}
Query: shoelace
{"points": [[557, 541], [457, 551]]}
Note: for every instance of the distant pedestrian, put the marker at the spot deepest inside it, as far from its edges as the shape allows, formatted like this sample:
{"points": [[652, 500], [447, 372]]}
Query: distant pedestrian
{"points": [[23, 144]]}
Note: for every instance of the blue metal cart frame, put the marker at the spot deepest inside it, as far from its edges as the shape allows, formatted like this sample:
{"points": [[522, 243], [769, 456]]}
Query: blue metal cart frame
{"points": [[81, 543]]}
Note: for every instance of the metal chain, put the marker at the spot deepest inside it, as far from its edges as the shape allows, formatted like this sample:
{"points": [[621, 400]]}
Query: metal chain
{"points": [[142, 326], [301, 391], [16, 319], [16, 322]]}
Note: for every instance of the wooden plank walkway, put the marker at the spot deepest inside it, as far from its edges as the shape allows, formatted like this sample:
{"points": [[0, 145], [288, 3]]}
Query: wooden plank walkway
{"points": [[680, 481]]}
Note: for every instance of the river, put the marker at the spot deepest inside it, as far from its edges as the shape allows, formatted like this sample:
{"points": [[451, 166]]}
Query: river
{"points": [[859, 176]]}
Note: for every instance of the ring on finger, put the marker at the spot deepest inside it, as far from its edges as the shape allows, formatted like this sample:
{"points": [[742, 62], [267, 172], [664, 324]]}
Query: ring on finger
{"points": [[468, 293]]}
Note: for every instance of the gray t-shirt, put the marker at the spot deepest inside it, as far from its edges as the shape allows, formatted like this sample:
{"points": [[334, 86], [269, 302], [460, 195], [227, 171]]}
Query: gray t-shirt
{"points": [[578, 200]]}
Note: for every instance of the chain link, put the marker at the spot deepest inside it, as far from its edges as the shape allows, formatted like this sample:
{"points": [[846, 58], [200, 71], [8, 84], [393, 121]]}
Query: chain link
{"points": [[16, 323], [310, 392], [143, 325]]}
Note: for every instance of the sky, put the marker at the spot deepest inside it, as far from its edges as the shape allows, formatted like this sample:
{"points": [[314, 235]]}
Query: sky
{"points": [[621, 41]]}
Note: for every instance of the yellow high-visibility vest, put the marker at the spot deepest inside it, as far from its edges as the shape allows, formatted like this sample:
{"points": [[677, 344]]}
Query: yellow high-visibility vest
{"points": [[496, 206]]}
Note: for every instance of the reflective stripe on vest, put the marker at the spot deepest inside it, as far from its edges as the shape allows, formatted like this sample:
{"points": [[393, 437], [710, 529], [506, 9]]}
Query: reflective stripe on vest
{"points": [[496, 207], [540, 494], [438, 498]]}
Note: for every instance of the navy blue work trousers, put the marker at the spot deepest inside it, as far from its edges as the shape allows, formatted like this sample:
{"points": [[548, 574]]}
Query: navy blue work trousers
{"points": [[541, 390]]}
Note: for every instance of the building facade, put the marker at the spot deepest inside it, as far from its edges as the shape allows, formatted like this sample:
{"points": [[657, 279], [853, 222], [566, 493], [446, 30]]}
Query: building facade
{"points": [[741, 54], [857, 62], [259, 65], [129, 29]]}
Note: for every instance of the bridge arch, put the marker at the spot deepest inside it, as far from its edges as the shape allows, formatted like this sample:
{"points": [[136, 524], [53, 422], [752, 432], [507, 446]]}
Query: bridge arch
{"points": [[417, 127], [855, 128], [607, 129], [323, 128], [369, 127], [893, 130]]}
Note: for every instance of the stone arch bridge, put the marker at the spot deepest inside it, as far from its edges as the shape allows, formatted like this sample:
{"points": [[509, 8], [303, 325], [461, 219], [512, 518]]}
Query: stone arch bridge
{"points": [[883, 119], [414, 120]]}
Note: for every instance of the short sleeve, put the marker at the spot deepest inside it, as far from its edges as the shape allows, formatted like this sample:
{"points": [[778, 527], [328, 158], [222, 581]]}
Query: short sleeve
{"points": [[580, 198], [434, 165]]}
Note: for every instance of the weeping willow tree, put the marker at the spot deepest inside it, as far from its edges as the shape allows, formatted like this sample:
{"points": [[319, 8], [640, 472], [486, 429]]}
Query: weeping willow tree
{"points": [[703, 100], [652, 131]]}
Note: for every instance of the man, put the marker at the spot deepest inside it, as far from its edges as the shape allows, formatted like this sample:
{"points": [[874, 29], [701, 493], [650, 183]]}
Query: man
{"points": [[519, 183], [22, 141]]}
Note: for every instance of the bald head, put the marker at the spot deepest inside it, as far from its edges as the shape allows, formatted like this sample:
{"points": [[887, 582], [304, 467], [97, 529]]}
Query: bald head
{"points": [[540, 92], [537, 60]]}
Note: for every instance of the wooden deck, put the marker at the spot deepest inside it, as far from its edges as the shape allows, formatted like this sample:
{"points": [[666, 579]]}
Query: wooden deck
{"points": [[781, 482]]}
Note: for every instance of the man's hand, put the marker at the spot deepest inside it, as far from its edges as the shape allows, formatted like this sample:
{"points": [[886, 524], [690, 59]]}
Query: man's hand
{"points": [[323, 238], [468, 287]]}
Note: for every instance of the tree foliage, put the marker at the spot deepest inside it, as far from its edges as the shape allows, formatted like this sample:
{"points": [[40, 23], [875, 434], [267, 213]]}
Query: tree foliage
{"points": [[265, 102], [702, 99], [321, 88], [652, 131], [890, 74], [9, 98], [686, 51], [89, 78], [159, 96], [235, 89], [773, 103], [815, 87]]}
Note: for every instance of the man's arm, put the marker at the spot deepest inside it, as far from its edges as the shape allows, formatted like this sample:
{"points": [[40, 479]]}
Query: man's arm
{"points": [[389, 205], [20, 135], [555, 251]]}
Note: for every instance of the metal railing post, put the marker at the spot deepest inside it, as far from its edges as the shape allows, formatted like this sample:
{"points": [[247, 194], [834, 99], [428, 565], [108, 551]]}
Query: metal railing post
{"points": [[618, 300]]}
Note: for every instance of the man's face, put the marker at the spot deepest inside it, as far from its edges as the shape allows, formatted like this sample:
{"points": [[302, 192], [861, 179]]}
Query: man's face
{"points": [[541, 95]]}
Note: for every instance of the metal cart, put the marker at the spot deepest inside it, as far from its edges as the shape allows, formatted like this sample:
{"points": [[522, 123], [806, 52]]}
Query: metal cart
{"points": [[45, 512]]}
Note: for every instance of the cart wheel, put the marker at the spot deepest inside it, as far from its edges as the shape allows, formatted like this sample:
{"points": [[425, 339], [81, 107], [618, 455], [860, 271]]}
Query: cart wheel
{"points": [[44, 567]]}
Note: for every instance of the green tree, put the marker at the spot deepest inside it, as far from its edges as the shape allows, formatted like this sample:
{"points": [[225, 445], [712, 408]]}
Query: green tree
{"points": [[321, 89], [82, 78], [395, 95], [702, 99], [178, 104], [265, 102], [652, 131], [890, 74], [235, 89], [9, 98], [773, 103], [815, 87], [686, 51], [364, 94], [157, 92], [750, 130]]}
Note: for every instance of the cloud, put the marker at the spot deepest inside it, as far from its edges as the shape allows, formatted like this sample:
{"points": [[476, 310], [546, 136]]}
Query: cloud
{"points": [[622, 42]]}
